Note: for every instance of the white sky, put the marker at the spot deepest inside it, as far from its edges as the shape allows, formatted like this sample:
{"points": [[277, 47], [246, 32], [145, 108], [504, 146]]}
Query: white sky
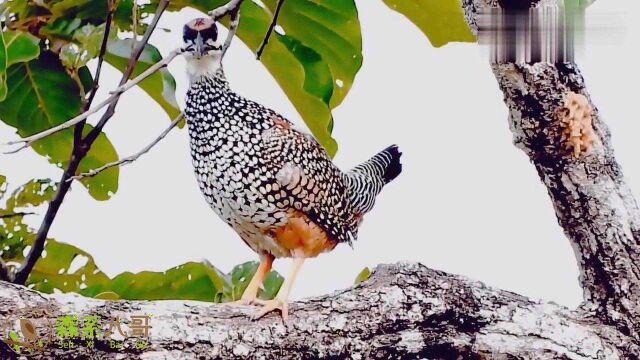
{"points": [[468, 202]]}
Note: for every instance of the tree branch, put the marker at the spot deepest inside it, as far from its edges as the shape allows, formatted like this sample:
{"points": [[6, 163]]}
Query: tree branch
{"points": [[6, 216], [131, 158], [403, 311], [77, 155], [274, 21], [103, 50], [593, 203], [227, 9], [113, 98]]}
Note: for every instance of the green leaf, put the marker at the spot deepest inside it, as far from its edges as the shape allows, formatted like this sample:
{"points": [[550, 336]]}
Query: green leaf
{"points": [[442, 21], [15, 47], [271, 285], [73, 56], [362, 276], [33, 193], [41, 95], [62, 28], [240, 277], [161, 86], [90, 37], [3, 185], [314, 59], [66, 268], [107, 295], [332, 29], [21, 47], [190, 281]]}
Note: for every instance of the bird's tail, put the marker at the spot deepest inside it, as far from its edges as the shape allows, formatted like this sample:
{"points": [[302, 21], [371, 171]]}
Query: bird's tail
{"points": [[366, 180]]}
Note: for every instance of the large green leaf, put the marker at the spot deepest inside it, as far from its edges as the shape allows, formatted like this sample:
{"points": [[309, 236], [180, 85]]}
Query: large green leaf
{"points": [[161, 86], [190, 281], [442, 21], [42, 95], [20, 47], [15, 47], [314, 58]]}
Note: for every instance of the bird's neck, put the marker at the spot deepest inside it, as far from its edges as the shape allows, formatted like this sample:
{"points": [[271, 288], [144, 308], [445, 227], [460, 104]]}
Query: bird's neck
{"points": [[206, 66]]}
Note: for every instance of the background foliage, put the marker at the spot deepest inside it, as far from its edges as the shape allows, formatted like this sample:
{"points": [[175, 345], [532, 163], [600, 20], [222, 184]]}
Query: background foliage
{"points": [[45, 47]]}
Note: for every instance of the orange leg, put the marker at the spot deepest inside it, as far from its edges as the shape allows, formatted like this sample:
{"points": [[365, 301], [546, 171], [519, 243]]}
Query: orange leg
{"points": [[281, 300], [250, 295]]}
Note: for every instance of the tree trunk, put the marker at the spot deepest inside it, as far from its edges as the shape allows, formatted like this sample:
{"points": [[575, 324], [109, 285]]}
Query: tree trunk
{"points": [[593, 203], [403, 311]]}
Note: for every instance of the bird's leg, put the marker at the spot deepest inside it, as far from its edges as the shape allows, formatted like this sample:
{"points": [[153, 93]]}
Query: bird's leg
{"points": [[250, 294], [281, 300]]}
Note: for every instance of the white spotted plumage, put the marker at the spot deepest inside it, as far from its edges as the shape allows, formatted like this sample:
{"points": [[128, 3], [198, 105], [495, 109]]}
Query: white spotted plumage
{"points": [[254, 167]]}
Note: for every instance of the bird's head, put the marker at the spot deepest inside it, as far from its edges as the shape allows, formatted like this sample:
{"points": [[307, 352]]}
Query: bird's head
{"points": [[202, 47]]}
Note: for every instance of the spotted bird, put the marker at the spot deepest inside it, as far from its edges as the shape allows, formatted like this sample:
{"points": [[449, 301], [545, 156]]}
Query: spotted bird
{"points": [[272, 183]]}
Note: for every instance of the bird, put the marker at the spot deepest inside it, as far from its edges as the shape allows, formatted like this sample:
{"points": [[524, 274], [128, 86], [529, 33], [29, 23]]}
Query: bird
{"points": [[271, 182]]}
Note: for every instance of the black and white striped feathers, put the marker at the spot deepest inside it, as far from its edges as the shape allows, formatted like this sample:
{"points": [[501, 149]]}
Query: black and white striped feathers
{"points": [[254, 168], [366, 180]]}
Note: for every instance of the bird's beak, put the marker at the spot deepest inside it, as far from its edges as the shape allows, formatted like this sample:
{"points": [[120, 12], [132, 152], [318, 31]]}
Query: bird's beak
{"points": [[199, 46]]}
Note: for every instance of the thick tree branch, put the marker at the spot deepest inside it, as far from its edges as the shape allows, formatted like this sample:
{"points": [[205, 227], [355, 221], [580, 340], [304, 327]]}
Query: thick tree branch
{"points": [[79, 152], [593, 203], [404, 311]]}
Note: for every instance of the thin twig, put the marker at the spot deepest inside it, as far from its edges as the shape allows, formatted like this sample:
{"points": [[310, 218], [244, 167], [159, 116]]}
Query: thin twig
{"points": [[226, 9], [77, 155], [103, 50], [132, 158], [8, 216], [115, 95], [270, 29], [233, 26]]}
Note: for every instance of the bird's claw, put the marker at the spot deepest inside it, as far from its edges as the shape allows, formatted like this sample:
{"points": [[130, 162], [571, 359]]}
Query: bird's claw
{"points": [[272, 305]]}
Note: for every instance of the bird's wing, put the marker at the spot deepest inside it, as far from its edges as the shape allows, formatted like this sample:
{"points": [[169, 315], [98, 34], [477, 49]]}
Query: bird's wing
{"points": [[307, 179]]}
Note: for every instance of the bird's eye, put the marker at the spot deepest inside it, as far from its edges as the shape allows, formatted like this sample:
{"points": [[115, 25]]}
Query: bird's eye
{"points": [[188, 34], [210, 33]]}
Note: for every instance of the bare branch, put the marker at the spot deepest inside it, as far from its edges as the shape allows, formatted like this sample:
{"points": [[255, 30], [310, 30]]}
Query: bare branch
{"points": [[8, 216], [227, 9], [77, 155], [270, 29], [115, 95], [103, 51], [132, 158], [233, 26]]}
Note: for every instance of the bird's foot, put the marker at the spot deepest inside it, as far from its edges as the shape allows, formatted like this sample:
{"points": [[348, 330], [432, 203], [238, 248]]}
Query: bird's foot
{"points": [[273, 305]]}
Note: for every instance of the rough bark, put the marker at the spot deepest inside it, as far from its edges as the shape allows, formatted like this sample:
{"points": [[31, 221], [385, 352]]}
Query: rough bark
{"points": [[403, 311], [593, 203]]}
